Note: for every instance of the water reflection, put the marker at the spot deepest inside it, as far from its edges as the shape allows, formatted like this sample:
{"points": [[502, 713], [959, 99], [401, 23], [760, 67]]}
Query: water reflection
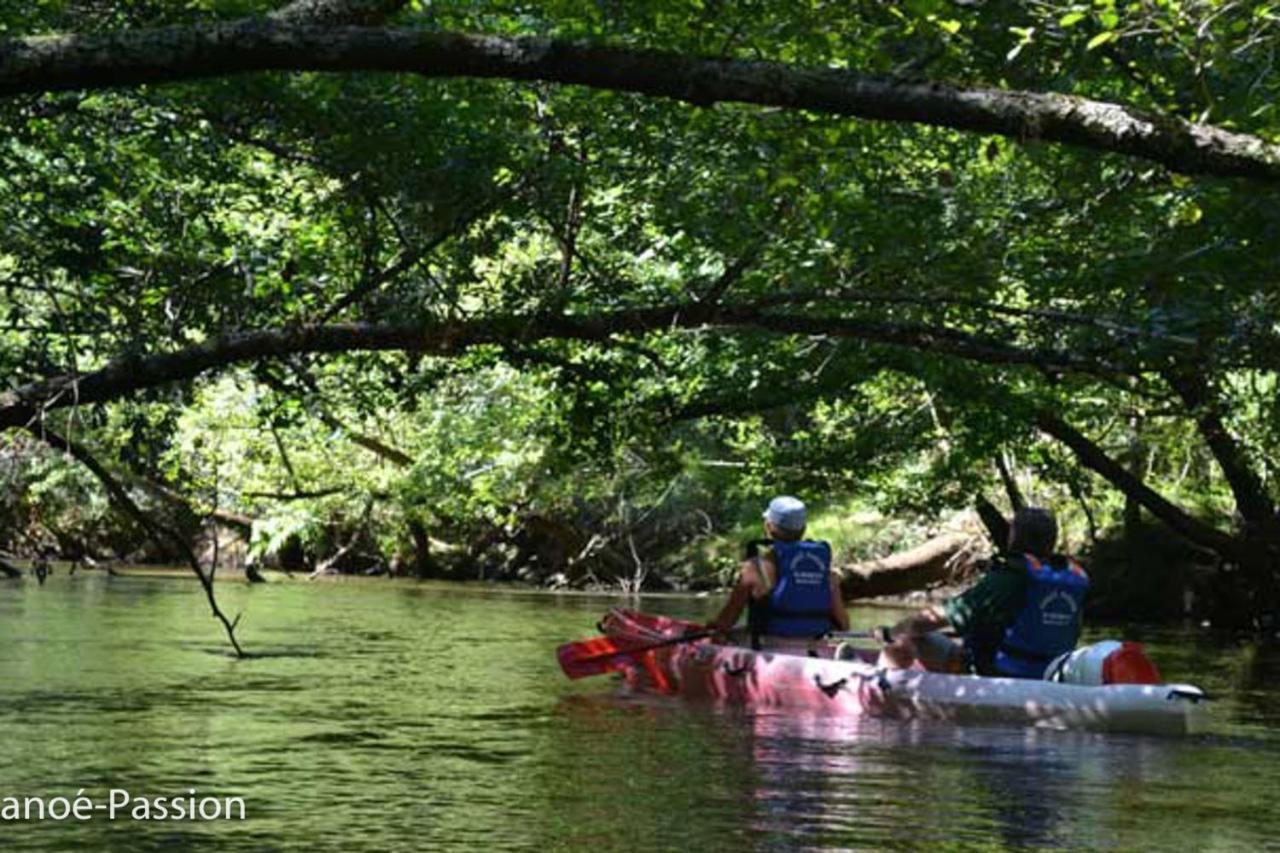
{"points": [[786, 782], [386, 716]]}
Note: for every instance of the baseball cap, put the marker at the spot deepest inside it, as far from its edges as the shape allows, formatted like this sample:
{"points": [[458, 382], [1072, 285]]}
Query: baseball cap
{"points": [[787, 513]]}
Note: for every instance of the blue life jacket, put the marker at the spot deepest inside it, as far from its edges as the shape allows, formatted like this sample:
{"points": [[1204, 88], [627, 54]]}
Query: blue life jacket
{"points": [[799, 605], [1048, 624]]}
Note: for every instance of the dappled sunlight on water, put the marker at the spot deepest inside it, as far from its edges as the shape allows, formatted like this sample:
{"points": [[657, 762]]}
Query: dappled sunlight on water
{"points": [[382, 715]]}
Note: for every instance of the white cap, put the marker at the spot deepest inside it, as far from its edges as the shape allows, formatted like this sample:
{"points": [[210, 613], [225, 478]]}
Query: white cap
{"points": [[786, 513]]}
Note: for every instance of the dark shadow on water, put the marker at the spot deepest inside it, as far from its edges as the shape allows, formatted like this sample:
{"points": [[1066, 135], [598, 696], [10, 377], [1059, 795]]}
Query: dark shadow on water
{"points": [[260, 653], [349, 736]]}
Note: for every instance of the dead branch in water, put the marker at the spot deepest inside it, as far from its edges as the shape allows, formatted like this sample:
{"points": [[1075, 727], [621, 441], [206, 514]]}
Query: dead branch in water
{"points": [[160, 533]]}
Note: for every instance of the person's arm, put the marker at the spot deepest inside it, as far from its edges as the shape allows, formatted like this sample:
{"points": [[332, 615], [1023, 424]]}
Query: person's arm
{"points": [[899, 649], [932, 618], [839, 615], [743, 589]]}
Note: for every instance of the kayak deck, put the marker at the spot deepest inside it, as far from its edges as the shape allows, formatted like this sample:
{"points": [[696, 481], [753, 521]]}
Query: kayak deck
{"points": [[789, 678]]}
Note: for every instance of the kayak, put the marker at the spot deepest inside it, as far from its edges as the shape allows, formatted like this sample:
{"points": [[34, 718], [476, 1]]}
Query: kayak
{"points": [[819, 680]]}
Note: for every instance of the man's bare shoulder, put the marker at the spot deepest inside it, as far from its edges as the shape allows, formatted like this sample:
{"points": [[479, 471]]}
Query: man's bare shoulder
{"points": [[757, 575]]}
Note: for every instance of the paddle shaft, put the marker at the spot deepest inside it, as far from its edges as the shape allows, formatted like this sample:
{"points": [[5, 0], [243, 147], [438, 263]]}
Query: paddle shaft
{"points": [[872, 635], [849, 635], [673, 641], [579, 659]]}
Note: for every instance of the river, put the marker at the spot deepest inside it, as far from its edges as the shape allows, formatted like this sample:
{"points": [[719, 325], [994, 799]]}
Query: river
{"points": [[386, 715]]}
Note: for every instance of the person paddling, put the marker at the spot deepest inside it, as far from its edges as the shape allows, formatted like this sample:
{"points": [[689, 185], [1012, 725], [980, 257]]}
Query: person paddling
{"points": [[1024, 612], [789, 591]]}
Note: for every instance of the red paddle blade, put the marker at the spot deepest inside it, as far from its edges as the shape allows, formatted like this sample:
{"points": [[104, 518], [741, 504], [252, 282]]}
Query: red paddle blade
{"points": [[597, 656]]}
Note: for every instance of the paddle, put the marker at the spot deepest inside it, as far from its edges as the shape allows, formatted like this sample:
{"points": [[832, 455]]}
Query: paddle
{"points": [[874, 634], [605, 654], [599, 655], [851, 635]]}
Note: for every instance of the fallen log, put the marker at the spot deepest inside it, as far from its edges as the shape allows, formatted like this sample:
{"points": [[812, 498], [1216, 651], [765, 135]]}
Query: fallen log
{"points": [[943, 559]]}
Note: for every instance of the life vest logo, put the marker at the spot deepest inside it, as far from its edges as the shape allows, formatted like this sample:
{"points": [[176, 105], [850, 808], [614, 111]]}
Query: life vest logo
{"points": [[1058, 609], [808, 569]]}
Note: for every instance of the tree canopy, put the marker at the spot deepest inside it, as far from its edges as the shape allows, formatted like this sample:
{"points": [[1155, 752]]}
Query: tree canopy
{"points": [[360, 265]]}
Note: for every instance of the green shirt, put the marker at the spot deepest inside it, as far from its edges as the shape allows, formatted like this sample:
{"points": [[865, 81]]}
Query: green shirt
{"points": [[981, 613]]}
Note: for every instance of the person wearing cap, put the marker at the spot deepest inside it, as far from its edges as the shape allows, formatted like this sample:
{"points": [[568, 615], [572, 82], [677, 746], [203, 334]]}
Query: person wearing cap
{"points": [[789, 591], [1025, 611]]}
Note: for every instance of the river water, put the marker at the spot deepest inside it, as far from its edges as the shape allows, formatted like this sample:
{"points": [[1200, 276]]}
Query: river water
{"points": [[383, 715]]}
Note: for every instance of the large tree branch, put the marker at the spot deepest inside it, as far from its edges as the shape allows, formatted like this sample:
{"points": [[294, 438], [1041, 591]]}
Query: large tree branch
{"points": [[130, 58], [992, 519], [1093, 457], [1251, 497], [1010, 483], [450, 337], [334, 12]]}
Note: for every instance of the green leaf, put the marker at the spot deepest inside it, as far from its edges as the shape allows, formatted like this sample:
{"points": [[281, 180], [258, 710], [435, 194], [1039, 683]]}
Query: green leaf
{"points": [[1072, 18], [1101, 38]]}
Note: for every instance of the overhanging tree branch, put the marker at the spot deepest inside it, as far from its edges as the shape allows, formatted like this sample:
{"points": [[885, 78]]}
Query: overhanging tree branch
{"points": [[1250, 494], [1094, 458], [238, 520], [130, 58], [450, 337]]}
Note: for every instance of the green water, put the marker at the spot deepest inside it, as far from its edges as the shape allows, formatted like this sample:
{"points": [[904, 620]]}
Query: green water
{"points": [[389, 716]]}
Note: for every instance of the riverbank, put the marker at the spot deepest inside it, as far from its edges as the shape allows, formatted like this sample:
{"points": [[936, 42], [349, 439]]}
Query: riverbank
{"points": [[1155, 579]]}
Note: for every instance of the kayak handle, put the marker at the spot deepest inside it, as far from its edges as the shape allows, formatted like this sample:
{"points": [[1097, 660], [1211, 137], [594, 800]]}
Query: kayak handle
{"points": [[735, 671], [830, 689], [1195, 695]]}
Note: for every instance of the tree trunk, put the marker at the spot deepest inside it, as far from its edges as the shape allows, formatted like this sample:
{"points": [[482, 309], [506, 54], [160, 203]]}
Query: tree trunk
{"points": [[1252, 499], [424, 565], [1255, 553], [944, 558]]}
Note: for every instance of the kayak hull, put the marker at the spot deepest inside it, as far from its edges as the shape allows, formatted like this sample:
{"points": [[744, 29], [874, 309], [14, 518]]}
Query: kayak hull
{"points": [[792, 679]]}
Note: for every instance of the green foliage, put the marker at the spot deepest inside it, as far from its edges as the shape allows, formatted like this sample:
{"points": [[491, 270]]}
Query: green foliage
{"points": [[145, 221], [52, 505]]}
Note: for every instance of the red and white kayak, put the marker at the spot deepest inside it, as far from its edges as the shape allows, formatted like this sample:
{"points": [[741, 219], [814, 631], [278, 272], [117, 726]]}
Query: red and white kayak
{"points": [[702, 669]]}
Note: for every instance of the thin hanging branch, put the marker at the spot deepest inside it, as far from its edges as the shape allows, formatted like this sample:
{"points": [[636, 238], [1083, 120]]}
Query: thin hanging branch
{"points": [[159, 533]]}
